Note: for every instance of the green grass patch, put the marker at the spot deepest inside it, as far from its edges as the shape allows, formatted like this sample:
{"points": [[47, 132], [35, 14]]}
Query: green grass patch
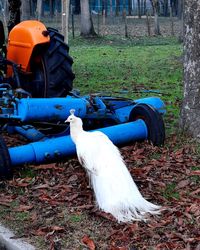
{"points": [[27, 172], [76, 218], [170, 192], [135, 69]]}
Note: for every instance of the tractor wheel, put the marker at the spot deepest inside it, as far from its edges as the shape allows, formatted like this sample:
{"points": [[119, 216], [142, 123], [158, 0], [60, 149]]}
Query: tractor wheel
{"points": [[153, 121], [52, 68], [5, 162]]}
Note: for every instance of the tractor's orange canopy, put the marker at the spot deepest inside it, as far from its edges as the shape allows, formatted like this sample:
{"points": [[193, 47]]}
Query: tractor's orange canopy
{"points": [[22, 40]]}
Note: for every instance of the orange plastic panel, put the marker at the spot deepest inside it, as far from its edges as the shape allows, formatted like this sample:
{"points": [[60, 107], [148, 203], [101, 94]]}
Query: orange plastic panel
{"points": [[22, 40]]}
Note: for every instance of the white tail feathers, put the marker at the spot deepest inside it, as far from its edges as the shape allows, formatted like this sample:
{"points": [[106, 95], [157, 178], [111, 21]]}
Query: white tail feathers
{"points": [[128, 213]]}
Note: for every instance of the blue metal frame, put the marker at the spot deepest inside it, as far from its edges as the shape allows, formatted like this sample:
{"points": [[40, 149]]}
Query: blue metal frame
{"points": [[19, 113], [62, 147]]}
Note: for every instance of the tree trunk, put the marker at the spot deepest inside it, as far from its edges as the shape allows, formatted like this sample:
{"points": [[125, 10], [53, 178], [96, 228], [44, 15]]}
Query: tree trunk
{"points": [[31, 8], [26, 10], [165, 7], [125, 19], [39, 9], [139, 8], [77, 8], [129, 7], [51, 7], [155, 5], [190, 112], [4, 6], [145, 7], [104, 8], [65, 19], [14, 13], [148, 24], [117, 7], [180, 9], [175, 7], [142, 7], [172, 21], [111, 8], [87, 28]]}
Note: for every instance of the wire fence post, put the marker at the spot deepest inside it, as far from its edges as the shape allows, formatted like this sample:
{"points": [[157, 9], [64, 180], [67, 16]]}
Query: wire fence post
{"points": [[98, 19], [125, 19], [148, 24]]}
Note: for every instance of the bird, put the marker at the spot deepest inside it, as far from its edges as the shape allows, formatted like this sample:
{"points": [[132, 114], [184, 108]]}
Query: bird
{"points": [[114, 188]]}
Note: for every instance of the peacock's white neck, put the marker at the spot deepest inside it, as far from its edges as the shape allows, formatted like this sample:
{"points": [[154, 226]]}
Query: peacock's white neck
{"points": [[75, 130]]}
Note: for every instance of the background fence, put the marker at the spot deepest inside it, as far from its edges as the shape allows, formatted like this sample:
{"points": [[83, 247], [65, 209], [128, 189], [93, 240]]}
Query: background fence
{"points": [[123, 22]]}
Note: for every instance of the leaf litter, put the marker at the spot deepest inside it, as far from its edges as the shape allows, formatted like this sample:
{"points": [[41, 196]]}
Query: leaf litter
{"points": [[53, 206]]}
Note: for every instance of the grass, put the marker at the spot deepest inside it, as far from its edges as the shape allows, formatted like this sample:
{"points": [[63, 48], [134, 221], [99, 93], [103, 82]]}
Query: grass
{"points": [[170, 193], [137, 68]]}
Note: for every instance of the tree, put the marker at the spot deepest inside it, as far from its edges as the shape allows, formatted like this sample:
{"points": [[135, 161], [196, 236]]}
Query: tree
{"points": [[111, 8], [165, 8], [117, 9], [129, 7], [25, 10], [190, 111], [139, 8], [77, 7], [33, 6], [87, 28], [155, 4], [65, 19], [180, 9], [39, 9], [14, 13], [104, 8], [51, 7]]}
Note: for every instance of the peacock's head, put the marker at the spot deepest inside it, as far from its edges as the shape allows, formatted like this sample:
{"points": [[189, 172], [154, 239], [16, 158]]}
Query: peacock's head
{"points": [[74, 120]]}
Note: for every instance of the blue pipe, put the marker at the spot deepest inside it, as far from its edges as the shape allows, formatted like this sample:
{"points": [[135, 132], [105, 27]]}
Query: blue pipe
{"points": [[50, 149], [53, 109], [57, 109]]}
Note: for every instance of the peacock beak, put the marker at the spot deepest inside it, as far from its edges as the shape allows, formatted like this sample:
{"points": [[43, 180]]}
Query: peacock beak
{"points": [[67, 120]]}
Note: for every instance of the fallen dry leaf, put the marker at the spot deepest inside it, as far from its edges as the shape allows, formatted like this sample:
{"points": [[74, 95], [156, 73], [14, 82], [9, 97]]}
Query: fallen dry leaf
{"points": [[88, 242], [23, 208], [195, 172]]}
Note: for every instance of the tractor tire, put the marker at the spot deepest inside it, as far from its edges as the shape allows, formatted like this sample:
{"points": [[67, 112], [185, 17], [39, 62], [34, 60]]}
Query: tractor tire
{"points": [[52, 73], [5, 162], [58, 66], [153, 121]]}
